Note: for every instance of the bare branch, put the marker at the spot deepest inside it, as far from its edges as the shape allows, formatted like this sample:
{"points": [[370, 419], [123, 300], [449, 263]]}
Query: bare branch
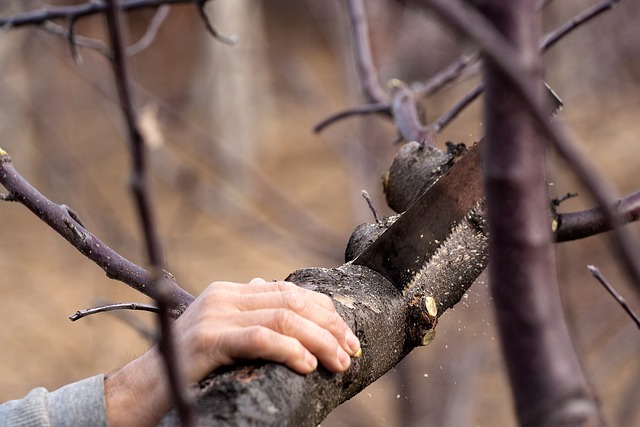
{"points": [[367, 73], [457, 108], [578, 225], [71, 13], [372, 208], [378, 108], [111, 307], [151, 33], [596, 273], [60, 220], [577, 21], [75, 40]]}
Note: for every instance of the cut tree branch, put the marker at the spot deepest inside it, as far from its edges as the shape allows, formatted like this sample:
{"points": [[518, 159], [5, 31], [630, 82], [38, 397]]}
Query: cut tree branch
{"points": [[578, 225]]}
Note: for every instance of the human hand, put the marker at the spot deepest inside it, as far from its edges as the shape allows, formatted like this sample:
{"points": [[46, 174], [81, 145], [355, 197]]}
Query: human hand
{"points": [[276, 321]]}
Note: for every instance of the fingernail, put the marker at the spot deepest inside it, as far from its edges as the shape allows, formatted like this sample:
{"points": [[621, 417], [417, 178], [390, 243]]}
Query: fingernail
{"points": [[345, 360], [311, 361], [352, 342]]}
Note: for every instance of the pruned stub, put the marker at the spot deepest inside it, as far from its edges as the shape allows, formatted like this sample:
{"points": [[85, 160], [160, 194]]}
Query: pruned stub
{"points": [[423, 317]]}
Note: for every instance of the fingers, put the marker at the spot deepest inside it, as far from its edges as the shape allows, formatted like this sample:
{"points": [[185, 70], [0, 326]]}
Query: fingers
{"points": [[258, 342], [276, 321], [312, 309], [258, 286], [314, 337]]}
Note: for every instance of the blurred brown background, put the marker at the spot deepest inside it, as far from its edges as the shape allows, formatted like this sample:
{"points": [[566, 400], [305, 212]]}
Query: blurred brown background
{"points": [[244, 188]]}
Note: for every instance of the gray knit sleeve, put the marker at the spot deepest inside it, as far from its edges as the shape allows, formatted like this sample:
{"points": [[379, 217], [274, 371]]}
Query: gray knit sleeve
{"points": [[79, 404]]}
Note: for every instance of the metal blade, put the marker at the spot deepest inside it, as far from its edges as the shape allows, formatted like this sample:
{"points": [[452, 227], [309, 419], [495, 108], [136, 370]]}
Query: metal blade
{"points": [[400, 252]]}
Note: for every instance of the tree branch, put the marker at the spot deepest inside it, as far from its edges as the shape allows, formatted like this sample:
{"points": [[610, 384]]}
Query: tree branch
{"points": [[389, 324], [367, 72], [578, 225], [59, 219]]}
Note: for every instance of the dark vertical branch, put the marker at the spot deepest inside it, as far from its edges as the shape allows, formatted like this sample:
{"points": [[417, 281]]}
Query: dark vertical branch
{"points": [[547, 381], [140, 188]]}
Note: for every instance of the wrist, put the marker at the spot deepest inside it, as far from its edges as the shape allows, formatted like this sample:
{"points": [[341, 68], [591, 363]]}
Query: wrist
{"points": [[136, 394]]}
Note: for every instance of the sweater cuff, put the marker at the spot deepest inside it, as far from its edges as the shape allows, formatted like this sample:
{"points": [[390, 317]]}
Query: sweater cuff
{"points": [[79, 404]]}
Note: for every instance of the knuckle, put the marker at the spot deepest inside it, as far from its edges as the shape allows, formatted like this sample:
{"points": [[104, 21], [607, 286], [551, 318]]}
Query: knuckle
{"points": [[285, 320], [294, 301], [258, 337]]}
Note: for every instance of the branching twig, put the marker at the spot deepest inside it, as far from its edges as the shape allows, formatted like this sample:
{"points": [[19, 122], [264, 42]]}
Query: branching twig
{"points": [[111, 307], [596, 273], [453, 71], [362, 110], [73, 12], [140, 188]]}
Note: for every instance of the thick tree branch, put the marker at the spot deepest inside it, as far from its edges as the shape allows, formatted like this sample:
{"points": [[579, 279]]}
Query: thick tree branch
{"points": [[452, 72], [389, 324]]}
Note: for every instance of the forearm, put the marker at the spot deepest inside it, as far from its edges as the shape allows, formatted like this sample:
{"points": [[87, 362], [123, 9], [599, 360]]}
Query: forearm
{"points": [[137, 394]]}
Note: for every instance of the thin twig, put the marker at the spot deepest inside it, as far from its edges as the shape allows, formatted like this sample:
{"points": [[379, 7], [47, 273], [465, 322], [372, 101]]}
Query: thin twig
{"points": [[453, 71], [367, 73], [76, 40], [596, 273], [453, 112], [140, 188], [111, 307], [374, 211], [378, 108], [151, 33], [575, 22]]}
